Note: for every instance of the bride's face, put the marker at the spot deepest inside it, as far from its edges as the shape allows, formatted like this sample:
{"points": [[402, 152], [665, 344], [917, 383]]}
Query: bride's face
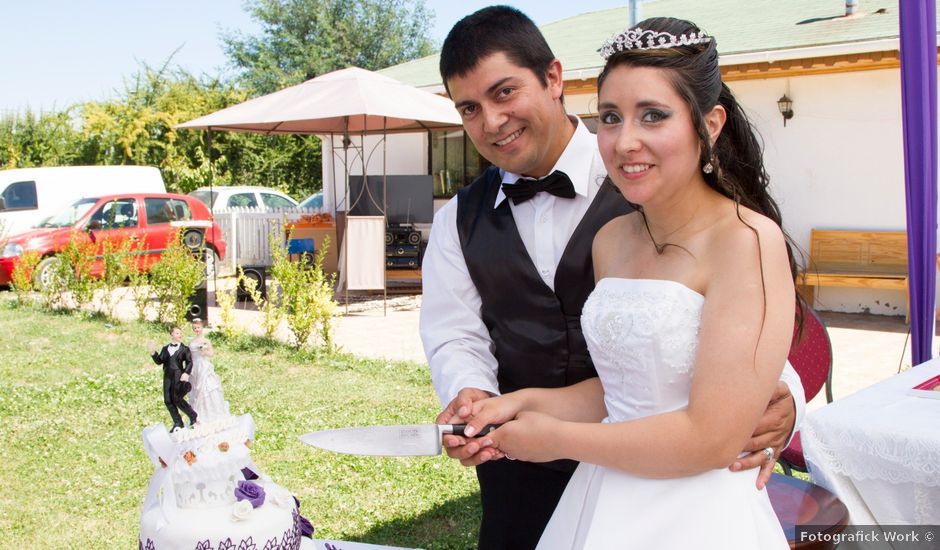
{"points": [[197, 328]]}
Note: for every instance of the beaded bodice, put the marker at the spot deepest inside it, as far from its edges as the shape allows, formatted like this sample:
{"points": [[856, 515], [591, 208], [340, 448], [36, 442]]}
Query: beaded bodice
{"points": [[642, 335]]}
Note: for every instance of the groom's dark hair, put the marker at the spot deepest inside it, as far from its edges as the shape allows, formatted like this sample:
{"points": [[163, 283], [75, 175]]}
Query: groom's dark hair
{"points": [[492, 30]]}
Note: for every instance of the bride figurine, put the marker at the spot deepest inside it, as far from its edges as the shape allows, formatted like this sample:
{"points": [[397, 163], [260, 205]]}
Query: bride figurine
{"points": [[206, 396]]}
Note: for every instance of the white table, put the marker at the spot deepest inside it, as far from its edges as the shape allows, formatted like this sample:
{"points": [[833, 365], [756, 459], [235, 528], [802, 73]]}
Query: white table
{"points": [[878, 450]]}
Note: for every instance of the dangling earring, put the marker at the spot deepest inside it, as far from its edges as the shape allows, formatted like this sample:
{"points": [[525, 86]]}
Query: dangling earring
{"points": [[708, 168]]}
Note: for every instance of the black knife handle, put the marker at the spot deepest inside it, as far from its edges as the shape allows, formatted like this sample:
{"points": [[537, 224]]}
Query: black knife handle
{"points": [[458, 429]]}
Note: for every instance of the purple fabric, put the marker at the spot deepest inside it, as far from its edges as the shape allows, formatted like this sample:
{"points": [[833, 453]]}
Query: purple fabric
{"points": [[919, 113]]}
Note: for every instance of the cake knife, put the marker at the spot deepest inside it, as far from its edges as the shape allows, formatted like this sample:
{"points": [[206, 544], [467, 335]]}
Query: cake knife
{"points": [[409, 440]]}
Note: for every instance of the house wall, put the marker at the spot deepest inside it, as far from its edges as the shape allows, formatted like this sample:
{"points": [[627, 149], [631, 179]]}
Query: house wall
{"points": [[838, 163]]}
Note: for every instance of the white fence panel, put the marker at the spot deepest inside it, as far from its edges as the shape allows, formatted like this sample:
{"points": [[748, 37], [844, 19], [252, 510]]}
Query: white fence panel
{"points": [[247, 233]]}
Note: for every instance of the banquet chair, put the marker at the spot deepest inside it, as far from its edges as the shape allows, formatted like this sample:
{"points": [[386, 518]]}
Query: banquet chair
{"points": [[803, 507], [811, 357]]}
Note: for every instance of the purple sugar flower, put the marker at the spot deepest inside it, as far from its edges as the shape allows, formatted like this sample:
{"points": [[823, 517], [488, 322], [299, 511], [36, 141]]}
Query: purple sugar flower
{"points": [[250, 491], [306, 528]]}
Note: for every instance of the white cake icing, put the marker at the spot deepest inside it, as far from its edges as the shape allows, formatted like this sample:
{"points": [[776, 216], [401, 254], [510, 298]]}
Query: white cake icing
{"points": [[267, 527], [191, 502]]}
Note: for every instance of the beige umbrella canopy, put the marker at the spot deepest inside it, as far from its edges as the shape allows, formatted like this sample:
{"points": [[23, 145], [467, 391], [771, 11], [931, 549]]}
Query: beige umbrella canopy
{"points": [[349, 100]]}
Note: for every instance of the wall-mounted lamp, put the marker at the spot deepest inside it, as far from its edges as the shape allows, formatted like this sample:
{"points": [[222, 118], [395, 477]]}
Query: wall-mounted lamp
{"points": [[785, 104]]}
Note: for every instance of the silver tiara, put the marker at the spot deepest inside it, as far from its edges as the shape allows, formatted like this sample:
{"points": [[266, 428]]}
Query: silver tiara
{"points": [[640, 39]]}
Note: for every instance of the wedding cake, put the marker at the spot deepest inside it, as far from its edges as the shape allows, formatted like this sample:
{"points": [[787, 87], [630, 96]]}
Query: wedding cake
{"points": [[205, 492]]}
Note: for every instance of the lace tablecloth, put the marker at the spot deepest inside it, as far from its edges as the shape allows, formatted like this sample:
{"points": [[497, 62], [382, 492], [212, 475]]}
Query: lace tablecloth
{"points": [[878, 450]]}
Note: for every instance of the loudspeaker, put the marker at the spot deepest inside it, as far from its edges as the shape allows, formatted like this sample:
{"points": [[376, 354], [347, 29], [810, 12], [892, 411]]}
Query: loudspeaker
{"points": [[402, 250], [401, 262], [402, 234], [257, 273], [198, 305]]}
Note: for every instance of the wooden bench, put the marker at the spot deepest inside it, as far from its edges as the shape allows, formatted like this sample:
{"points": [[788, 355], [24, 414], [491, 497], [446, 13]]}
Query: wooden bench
{"points": [[855, 259]]}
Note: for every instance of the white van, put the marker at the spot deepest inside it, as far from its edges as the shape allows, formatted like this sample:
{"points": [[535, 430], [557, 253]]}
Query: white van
{"points": [[30, 195]]}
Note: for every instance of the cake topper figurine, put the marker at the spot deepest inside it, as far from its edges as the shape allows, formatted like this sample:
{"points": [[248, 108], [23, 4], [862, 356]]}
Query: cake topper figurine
{"points": [[177, 361]]}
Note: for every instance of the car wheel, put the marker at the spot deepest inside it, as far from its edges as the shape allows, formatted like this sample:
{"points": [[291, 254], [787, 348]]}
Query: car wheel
{"points": [[44, 272]]}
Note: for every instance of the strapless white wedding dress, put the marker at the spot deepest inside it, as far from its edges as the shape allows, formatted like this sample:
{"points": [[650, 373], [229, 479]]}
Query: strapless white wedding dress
{"points": [[206, 397], [642, 335]]}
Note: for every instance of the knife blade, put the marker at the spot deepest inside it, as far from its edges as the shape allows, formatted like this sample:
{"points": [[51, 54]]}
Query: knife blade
{"points": [[406, 440]]}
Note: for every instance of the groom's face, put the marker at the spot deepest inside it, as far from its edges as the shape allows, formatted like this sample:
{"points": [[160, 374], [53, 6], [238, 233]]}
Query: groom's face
{"points": [[176, 335], [513, 119]]}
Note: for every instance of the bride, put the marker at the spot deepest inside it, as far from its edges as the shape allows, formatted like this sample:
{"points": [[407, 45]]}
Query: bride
{"points": [[699, 281], [206, 397]]}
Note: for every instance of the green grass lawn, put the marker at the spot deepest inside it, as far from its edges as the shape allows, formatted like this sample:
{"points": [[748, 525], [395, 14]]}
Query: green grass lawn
{"points": [[76, 394]]}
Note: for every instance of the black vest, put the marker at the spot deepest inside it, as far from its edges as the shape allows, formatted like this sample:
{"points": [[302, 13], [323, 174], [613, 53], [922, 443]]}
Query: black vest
{"points": [[536, 331]]}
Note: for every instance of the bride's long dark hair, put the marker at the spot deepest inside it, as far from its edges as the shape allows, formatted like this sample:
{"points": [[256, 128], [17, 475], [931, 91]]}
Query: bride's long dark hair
{"points": [[737, 155]]}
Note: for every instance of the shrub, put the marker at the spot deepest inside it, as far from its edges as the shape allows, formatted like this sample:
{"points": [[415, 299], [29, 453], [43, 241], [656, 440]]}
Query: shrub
{"points": [[68, 274], [174, 280], [118, 264], [306, 295], [225, 298], [22, 276], [271, 314], [141, 292]]}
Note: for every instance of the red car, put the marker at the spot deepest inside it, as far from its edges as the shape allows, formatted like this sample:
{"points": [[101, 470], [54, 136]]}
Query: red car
{"points": [[148, 218]]}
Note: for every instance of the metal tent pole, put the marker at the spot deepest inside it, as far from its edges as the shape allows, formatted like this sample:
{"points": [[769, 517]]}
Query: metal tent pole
{"points": [[346, 142], [384, 210]]}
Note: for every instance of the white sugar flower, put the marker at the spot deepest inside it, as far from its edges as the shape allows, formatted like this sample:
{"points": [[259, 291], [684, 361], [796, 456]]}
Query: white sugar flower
{"points": [[281, 497], [242, 510]]}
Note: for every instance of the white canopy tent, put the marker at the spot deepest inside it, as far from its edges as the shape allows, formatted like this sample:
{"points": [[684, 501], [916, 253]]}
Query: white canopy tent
{"points": [[344, 102]]}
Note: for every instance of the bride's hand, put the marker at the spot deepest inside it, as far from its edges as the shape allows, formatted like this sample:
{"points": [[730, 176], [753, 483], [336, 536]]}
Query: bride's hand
{"points": [[495, 410], [531, 437]]}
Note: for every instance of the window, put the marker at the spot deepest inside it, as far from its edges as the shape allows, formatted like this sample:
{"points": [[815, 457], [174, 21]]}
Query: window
{"points": [[275, 201], [205, 197], [20, 195], [455, 162], [116, 214], [166, 210], [245, 200]]}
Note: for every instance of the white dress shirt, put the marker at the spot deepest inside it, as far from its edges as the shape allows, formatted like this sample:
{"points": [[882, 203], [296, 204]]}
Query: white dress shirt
{"points": [[457, 344]]}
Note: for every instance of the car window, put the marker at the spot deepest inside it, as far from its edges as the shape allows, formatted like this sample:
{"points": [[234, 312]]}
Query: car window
{"points": [[203, 194], [275, 201], [20, 195], [116, 214], [247, 200], [162, 210], [69, 215], [181, 211], [313, 201]]}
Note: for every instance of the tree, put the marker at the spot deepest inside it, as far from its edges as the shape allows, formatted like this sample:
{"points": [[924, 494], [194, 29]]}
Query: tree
{"points": [[301, 39]]}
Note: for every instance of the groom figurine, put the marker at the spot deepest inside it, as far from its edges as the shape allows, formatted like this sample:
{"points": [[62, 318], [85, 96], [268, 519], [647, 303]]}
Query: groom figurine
{"points": [[177, 364], [508, 266]]}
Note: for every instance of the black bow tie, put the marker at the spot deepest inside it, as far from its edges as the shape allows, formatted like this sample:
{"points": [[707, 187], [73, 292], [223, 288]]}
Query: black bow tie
{"points": [[557, 183]]}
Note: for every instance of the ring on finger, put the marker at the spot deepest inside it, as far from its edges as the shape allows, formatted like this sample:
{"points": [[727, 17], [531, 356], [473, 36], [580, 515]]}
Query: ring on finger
{"points": [[768, 453]]}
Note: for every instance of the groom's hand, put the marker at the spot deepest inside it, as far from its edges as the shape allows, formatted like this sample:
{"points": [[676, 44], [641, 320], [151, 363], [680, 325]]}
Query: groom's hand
{"points": [[465, 449], [773, 431]]}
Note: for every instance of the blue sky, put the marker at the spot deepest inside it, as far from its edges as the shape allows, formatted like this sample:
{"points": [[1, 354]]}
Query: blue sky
{"points": [[59, 52]]}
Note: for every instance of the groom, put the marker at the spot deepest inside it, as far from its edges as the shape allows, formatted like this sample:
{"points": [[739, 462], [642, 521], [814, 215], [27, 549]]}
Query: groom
{"points": [[508, 266], [177, 363]]}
